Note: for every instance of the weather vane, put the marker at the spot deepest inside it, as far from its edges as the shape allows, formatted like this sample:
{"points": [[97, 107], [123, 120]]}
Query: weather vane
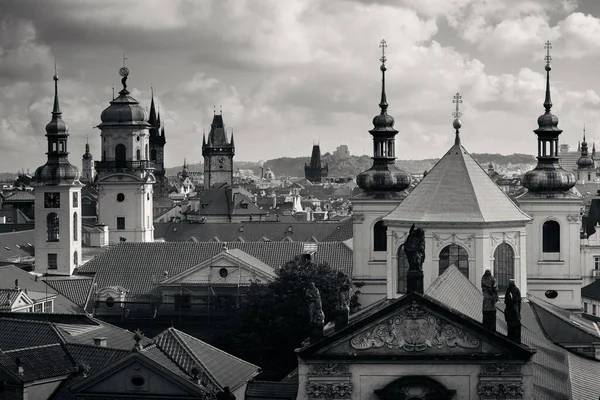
{"points": [[548, 46], [457, 100], [383, 46]]}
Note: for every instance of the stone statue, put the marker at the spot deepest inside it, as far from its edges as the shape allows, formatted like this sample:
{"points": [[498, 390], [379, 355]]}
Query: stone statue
{"points": [[512, 313], [489, 287], [414, 248], [343, 300], [315, 307]]}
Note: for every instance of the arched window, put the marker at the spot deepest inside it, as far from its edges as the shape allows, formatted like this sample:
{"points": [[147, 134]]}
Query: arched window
{"points": [[504, 266], [551, 237], [456, 255], [75, 258], [75, 227], [146, 152], [402, 270], [52, 224], [138, 155], [153, 154], [380, 237], [120, 156]]}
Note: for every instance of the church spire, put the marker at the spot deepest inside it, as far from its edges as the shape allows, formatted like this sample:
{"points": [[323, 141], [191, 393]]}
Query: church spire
{"points": [[457, 114], [548, 58], [56, 108], [383, 103]]}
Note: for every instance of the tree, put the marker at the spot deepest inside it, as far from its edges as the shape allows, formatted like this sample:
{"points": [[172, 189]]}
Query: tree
{"points": [[273, 319]]}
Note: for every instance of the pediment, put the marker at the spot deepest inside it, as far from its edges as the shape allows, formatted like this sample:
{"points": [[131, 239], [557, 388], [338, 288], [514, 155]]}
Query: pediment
{"points": [[415, 327], [136, 375]]}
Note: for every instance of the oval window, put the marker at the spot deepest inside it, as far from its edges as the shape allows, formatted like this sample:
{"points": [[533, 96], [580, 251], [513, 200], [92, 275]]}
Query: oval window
{"points": [[551, 294], [223, 272], [110, 302], [120, 197], [138, 381]]}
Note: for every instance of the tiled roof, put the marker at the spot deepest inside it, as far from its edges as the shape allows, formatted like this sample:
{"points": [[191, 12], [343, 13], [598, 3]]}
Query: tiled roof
{"points": [[20, 196], [16, 246], [123, 264], [75, 288], [259, 390], [585, 384], [116, 338], [39, 363], [187, 352], [253, 231], [591, 291], [156, 354], [457, 189], [20, 334], [8, 297]]}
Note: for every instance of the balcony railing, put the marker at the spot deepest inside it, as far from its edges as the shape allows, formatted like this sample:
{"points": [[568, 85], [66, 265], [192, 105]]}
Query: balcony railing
{"points": [[596, 273], [114, 165]]}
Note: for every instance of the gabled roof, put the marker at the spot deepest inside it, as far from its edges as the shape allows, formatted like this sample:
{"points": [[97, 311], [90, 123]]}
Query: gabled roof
{"points": [[458, 190], [187, 351], [124, 263], [39, 363], [21, 334], [75, 288], [20, 196], [591, 291]]}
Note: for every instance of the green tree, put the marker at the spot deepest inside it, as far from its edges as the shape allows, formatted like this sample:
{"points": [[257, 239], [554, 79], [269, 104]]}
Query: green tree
{"points": [[273, 319]]}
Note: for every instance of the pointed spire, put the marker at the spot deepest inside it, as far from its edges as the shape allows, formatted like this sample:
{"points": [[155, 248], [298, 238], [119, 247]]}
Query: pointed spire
{"points": [[457, 114], [203, 139], [584, 133], [383, 103], [593, 150], [56, 108], [158, 117], [231, 142], [578, 146], [548, 58]]}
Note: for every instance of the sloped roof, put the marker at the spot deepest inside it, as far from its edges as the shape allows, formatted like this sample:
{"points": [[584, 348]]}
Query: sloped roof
{"points": [[262, 390], [39, 363], [20, 196], [585, 384], [124, 263], [591, 291], [75, 288], [18, 334], [188, 352], [14, 246], [457, 189]]}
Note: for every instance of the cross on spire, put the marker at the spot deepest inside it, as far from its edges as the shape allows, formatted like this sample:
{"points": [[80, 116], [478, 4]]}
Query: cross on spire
{"points": [[548, 46], [457, 100], [124, 59], [383, 46]]}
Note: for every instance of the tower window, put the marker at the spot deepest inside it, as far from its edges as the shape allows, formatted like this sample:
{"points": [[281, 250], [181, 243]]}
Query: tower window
{"points": [[138, 155], [551, 237], [52, 261], [402, 270], [75, 199], [120, 156], [75, 227], [121, 223], [52, 224], [153, 154], [75, 258], [504, 265], [454, 255], [380, 236]]}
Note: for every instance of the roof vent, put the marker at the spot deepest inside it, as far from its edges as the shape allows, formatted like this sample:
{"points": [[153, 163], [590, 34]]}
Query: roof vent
{"points": [[290, 229], [7, 248], [100, 342]]}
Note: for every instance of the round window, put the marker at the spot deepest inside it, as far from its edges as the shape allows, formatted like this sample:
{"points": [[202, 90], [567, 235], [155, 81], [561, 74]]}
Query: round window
{"points": [[551, 294], [120, 197], [137, 138], [138, 381], [110, 302], [223, 272]]}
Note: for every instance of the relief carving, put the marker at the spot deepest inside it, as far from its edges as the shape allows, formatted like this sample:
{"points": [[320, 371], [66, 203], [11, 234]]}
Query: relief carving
{"points": [[453, 238], [414, 329], [573, 217], [500, 391], [358, 218], [398, 238], [324, 390], [495, 369], [329, 369]]}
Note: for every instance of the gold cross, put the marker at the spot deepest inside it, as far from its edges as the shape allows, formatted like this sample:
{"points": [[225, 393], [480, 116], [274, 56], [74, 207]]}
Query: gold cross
{"points": [[548, 46], [383, 46], [457, 100]]}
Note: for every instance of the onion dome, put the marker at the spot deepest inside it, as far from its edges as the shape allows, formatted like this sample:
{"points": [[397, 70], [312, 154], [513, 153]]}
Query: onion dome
{"points": [[548, 175], [585, 161], [87, 155], [384, 175], [57, 170], [124, 110]]}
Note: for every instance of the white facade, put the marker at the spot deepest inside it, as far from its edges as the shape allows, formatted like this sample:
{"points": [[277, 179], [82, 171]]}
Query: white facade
{"points": [[554, 271], [57, 253]]}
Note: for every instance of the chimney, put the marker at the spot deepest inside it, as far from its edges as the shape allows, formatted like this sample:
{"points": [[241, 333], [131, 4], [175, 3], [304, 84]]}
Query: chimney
{"points": [[19, 367], [17, 284], [100, 342]]}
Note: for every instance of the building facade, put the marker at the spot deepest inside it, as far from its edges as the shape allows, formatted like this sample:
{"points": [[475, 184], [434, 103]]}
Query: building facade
{"points": [[218, 154]]}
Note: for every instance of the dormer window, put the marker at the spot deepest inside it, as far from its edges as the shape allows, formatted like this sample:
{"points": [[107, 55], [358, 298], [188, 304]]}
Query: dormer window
{"points": [[244, 205]]}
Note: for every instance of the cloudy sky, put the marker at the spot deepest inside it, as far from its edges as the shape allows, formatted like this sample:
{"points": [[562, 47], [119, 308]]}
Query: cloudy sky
{"points": [[291, 72]]}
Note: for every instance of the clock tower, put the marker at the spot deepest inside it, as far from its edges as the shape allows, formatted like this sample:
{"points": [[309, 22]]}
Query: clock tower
{"points": [[125, 173], [57, 202], [218, 154]]}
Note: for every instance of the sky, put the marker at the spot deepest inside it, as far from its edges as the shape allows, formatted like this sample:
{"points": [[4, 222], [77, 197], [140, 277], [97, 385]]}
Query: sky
{"points": [[291, 73]]}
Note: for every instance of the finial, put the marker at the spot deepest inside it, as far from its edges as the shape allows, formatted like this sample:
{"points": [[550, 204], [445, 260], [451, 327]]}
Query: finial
{"points": [[221, 109], [124, 59], [383, 103], [152, 91], [56, 108], [548, 58], [584, 132], [124, 72], [113, 87], [457, 114]]}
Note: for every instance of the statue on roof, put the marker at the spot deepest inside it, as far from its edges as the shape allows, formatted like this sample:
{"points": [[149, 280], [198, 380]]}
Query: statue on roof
{"points": [[489, 288], [315, 306], [414, 248], [512, 312]]}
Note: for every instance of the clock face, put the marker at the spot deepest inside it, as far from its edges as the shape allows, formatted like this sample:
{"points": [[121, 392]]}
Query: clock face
{"points": [[221, 160], [52, 200]]}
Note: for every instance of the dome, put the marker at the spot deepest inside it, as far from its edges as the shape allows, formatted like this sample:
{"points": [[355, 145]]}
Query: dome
{"points": [[383, 122], [548, 121], [548, 178], [383, 178], [57, 173], [57, 126], [585, 162], [124, 110]]}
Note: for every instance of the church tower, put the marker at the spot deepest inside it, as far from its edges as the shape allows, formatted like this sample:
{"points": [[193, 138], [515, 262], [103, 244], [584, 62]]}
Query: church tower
{"points": [[218, 154], [57, 202], [553, 248], [125, 173], [586, 168], [383, 188], [314, 171], [87, 166], [157, 150]]}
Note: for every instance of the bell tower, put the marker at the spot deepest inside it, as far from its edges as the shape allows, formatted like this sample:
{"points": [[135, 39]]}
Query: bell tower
{"points": [[125, 172], [87, 164], [218, 154], [57, 202]]}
